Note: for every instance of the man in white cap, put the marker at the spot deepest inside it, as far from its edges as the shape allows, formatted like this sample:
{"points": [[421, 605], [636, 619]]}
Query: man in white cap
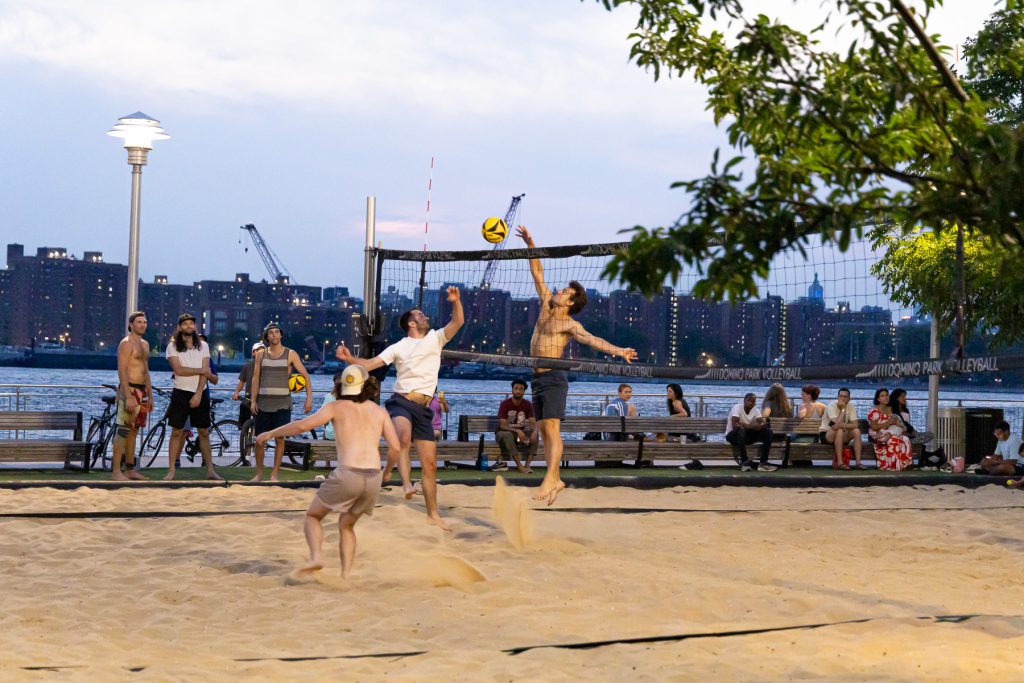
{"points": [[243, 391], [351, 489]]}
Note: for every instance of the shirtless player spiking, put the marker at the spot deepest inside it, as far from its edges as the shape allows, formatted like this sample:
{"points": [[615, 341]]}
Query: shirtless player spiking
{"points": [[555, 327]]}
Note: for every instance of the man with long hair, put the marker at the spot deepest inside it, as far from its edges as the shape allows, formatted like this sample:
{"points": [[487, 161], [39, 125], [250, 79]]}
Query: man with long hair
{"points": [[189, 358], [417, 359], [555, 328], [351, 489], [134, 396]]}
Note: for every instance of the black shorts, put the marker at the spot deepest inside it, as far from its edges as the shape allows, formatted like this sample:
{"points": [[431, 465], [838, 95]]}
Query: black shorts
{"points": [[265, 420], [421, 417], [549, 392], [1018, 469], [179, 411]]}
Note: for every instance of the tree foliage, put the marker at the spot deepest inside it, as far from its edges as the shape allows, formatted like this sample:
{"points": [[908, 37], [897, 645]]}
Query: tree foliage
{"points": [[824, 142], [916, 270]]}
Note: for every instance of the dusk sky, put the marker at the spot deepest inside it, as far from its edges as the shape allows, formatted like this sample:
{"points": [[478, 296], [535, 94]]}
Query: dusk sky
{"points": [[288, 115]]}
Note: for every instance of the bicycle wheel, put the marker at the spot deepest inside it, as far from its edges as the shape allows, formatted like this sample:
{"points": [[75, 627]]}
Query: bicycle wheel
{"points": [[106, 448], [246, 442], [226, 443], [151, 444], [92, 438]]}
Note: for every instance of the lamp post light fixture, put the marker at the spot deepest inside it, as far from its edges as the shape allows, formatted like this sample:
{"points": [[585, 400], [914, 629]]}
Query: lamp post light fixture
{"points": [[138, 131]]}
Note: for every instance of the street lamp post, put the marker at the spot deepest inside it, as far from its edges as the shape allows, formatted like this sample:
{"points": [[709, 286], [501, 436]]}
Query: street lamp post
{"points": [[138, 131]]}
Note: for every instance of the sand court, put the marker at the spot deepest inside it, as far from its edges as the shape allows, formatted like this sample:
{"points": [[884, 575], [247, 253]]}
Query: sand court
{"points": [[673, 584]]}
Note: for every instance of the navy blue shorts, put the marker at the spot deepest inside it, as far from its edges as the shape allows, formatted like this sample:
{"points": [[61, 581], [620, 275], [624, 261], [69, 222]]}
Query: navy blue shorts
{"points": [[421, 417], [264, 420], [549, 392]]}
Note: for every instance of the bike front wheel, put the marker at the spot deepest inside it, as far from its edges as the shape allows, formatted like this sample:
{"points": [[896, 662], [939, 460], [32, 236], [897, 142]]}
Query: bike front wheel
{"points": [[152, 444], [226, 438]]}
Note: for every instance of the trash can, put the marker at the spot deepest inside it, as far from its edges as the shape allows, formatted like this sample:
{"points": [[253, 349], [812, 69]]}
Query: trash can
{"points": [[979, 424], [950, 433]]}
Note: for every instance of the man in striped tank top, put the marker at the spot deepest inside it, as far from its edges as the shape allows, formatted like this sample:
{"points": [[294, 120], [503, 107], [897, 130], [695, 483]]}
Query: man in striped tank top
{"points": [[271, 399]]}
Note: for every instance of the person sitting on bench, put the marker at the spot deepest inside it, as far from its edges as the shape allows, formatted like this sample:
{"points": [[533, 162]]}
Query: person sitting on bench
{"points": [[744, 427], [1004, 461], [517, 430]]}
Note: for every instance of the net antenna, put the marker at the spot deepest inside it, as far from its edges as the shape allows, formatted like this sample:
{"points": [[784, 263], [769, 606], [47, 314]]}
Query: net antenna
{"points": [[426, 231], [485, 281]]}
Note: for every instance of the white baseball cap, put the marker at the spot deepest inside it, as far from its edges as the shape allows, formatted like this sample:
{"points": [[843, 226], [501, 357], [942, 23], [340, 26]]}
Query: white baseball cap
{"points": [[352, 380], [257, 346]]}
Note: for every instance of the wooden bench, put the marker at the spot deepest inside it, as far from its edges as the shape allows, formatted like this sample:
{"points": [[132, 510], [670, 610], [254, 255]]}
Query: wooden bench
{"points": [[47, 449]]}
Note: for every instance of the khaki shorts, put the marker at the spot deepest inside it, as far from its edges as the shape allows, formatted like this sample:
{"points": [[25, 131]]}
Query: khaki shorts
{"points": [[351, 490]]}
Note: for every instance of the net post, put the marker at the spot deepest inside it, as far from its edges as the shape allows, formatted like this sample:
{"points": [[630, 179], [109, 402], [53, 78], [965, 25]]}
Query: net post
{"points": [[933, 382], [368, 326]]}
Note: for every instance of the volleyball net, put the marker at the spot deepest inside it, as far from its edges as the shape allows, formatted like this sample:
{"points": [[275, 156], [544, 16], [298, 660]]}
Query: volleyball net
{"points": [[822, 314]]}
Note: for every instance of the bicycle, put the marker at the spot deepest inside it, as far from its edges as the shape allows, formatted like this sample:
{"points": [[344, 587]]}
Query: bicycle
{"points": [[225, 438], [101, 431]]}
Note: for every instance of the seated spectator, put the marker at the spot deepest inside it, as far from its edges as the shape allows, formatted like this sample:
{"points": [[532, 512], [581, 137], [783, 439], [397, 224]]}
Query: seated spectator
{"points": [[517, 430], [776, 403], [620, 407], [809, 404], [892, 447], [898, 402], [438, 405], [746, 426], [678, 407], [1006, 460], [839, 426]]}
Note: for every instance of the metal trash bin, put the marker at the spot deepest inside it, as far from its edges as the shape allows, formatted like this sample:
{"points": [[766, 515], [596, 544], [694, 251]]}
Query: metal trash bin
{"points": [[951, 432]]}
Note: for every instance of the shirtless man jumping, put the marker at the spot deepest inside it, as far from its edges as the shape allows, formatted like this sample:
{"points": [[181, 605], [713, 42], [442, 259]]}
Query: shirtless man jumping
{"points": [[551, 335], [134, 395], [417, 359], [351, 489]]}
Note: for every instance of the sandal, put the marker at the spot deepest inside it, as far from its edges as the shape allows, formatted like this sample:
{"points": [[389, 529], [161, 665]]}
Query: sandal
{"points": [[842, 467], [859, 467]]}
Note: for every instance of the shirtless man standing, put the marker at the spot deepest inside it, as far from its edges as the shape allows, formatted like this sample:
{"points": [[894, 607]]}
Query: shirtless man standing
{"points": [[351, 489], [134, 394], [554, 329], [417, 359]]}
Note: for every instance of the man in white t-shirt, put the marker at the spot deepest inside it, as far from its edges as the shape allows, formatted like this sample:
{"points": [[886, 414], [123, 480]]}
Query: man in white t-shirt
{"points": [[839, 427], [189, 358], [745, 427], [417, 358], [1004, 461]]}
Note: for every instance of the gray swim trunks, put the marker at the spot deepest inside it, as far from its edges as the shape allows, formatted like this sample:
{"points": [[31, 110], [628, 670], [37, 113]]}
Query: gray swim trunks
{"points": [[351, 490]]}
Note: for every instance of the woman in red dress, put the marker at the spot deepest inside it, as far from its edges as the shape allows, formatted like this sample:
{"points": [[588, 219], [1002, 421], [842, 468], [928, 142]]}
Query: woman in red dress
{"points": [[892, 447]]}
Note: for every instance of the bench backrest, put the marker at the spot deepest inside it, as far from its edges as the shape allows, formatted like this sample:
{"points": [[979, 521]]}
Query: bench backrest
{"points": [[40, 420]]}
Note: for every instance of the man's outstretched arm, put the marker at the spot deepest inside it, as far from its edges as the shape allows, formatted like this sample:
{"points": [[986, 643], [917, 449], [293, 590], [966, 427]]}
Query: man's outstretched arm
{"points": [[535, 268], [343, 354], [584, 337], [457, 317]]}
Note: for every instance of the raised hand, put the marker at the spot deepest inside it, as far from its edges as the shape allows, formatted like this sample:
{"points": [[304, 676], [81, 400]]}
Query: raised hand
{"points": [[453, 294], [525, 235], [343, 354]]}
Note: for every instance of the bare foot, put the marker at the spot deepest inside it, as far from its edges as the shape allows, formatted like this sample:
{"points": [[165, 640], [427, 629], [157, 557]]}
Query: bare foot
{"points": [[135, 475], [529, 470], [436, 520], [213, 476], [274, 478], [411, 491], [550, 494], [523, 470], [116, 475], [169, 476], [310, 567]]}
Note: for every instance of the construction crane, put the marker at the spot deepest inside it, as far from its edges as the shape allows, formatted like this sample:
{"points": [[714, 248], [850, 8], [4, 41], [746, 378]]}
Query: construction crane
{"points": [[274, 266]]}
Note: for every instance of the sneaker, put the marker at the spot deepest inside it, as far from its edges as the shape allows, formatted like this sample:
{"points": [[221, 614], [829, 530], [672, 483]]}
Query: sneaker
{"points": [[745, 467], [765, 467], [499, 467], [973, 468]]}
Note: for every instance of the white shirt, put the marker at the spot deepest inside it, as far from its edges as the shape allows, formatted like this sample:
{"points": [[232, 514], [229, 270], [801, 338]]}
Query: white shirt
{"points": [[1008, 449], [417, 362], [833, 414], [193, 358], [737, 414]]}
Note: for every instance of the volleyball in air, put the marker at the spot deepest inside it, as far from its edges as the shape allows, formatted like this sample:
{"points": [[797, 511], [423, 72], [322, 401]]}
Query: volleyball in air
{"points": [[296, 383], [494, 230]]}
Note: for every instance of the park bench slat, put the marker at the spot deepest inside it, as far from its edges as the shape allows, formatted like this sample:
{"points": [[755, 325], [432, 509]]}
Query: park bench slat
{"points": [[48, 449]]}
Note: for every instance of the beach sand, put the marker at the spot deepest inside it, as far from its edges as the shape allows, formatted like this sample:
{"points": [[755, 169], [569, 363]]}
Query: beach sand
{"points": [[215, 597]]}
